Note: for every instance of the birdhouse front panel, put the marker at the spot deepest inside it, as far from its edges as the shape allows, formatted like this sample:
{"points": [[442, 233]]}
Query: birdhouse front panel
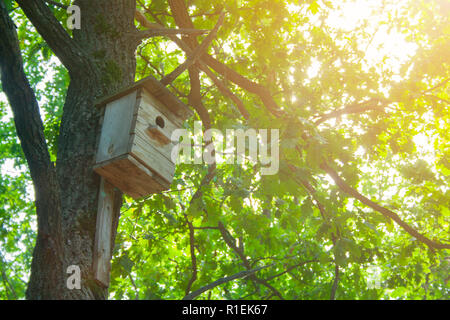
{"points": [[154, 126], [135, 147]]}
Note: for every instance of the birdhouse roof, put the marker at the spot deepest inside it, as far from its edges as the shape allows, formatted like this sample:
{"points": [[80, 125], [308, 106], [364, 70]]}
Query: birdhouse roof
{"points": [[157, 90]]}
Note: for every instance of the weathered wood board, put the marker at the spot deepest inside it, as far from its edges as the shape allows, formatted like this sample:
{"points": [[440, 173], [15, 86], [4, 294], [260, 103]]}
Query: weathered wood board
{"points": [[140, 181], [116, 127], [102, 246]]}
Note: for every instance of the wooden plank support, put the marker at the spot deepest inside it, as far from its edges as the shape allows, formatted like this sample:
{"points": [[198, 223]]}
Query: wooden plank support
{"points": [[103, 245]]}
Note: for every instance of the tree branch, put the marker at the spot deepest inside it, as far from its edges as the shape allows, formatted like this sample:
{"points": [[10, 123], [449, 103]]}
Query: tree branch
{"points": [[386, 212], [373, 104], [197, 194], [223, 280], [181, 15], [6, 282], [360, 107], [29, 126], [334, 236], [67, 50], [195, 54], [225, 91], [335, 282], [436, 86], [295, 266], [30, 131], [202, 65], [434, 97], [154, 32], [179, 10], [193, 256], [231, 242]]}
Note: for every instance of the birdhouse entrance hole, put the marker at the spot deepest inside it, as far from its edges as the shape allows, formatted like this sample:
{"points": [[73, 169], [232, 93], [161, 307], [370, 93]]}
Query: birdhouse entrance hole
{"points": [[160, 122]]}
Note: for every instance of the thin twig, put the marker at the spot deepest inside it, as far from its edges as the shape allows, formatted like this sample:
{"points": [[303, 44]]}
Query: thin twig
{"points": [[223, 280], [335, 282], [231, 242], [384, 211], [143, 34]]}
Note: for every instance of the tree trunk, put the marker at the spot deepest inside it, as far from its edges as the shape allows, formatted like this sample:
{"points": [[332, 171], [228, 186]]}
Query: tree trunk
{"points": [[103, 35]]}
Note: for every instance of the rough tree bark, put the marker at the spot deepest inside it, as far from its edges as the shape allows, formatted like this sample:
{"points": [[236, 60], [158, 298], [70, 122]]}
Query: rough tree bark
{"points": [[100, 36], [100, 58]]}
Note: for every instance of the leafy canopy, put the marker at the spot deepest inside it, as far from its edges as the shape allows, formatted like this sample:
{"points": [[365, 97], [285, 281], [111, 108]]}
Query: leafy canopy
{"points": [[321, 61]]}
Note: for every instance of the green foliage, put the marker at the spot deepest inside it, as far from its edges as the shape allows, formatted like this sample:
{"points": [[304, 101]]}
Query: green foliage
{"points": [[397, 155]]}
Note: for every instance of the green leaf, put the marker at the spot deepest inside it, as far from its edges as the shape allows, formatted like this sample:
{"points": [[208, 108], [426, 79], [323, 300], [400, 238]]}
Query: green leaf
{"points": [[126, 263], [314, 7], [9, 5]]}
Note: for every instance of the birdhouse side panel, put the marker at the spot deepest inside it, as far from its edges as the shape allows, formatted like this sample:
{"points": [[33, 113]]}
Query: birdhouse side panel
{"points": [[117, 124]]}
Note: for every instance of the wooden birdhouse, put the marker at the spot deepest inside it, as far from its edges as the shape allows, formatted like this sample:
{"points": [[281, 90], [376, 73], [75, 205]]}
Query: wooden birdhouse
{"points": [[134, 150]]}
